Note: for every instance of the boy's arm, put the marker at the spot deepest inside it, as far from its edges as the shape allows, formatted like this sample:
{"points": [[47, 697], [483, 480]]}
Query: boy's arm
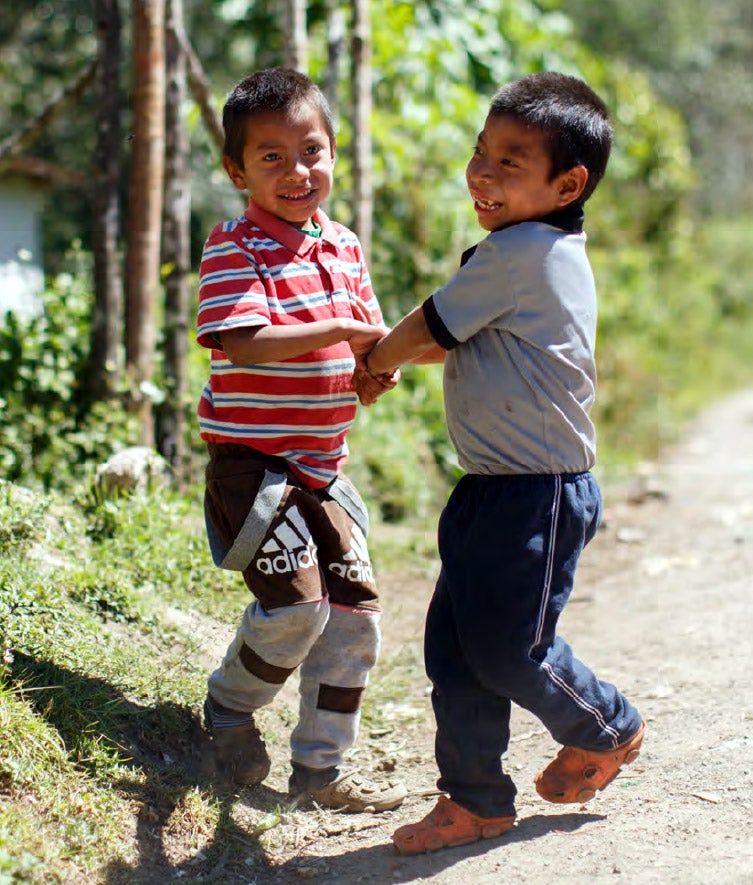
{"points": [[434, 354], [252, 345], [409, 341]]}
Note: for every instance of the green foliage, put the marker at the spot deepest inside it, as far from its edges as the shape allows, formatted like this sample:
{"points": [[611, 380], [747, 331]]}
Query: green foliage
{"points": [[697, 58], [155, 539], [644, 195], [673, 332], [49, 432], [434, 73], [401, 458], [434, 69], [19, 526], [100, 690]]}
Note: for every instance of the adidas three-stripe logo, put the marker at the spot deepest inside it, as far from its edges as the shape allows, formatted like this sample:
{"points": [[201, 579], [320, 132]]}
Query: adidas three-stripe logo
{"points": [[357, 566], [291, 547]]}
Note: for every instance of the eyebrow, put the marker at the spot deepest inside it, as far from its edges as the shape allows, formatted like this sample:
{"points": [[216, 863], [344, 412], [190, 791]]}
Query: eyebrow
{"points": [[312, 137], [515, 150]]}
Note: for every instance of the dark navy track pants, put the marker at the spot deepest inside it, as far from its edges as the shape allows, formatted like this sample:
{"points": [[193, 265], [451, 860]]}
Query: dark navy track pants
{"points": [[509, 547]]}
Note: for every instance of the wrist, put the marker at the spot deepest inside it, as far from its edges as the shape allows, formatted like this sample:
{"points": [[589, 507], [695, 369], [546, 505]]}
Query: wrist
{"points": [[367, 365]]}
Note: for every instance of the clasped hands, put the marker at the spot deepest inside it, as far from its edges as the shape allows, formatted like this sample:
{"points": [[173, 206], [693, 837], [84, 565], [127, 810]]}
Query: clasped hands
{"points": [[368, 386]]}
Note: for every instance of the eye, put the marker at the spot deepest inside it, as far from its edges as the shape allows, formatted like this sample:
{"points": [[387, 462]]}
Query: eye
{"points": [[476, 149], [313, 149], [271, 157], [506, 161]]}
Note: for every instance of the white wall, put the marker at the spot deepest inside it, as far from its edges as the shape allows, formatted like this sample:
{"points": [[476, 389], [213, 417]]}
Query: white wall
{"points": [[21, 269]]}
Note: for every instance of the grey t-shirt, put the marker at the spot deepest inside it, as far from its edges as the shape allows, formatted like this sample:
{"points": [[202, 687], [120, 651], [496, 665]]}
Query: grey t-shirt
{"points": [[519, 319]]}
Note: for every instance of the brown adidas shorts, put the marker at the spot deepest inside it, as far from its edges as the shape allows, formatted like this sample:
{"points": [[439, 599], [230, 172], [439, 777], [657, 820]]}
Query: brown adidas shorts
{"points": [[291, 543]]}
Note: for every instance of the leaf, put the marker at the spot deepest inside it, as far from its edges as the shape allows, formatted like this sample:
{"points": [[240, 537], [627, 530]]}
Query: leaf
{"points": [[708, 797]]}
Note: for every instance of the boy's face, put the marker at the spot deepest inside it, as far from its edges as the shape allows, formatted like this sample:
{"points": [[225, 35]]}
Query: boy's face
{"points": [[287, 164], [508, 175]]}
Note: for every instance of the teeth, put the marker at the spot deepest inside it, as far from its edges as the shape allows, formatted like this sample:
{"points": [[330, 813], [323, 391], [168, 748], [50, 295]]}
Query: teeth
{"points": [[486, 204], [296, 196]]}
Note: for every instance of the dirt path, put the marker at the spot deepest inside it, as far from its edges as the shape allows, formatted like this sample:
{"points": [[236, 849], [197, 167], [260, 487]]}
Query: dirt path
{"points": [[663, 608]]}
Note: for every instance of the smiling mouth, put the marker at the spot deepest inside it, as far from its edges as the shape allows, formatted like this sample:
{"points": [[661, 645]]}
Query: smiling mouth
{"points": [[486, 205], [298, 198]]}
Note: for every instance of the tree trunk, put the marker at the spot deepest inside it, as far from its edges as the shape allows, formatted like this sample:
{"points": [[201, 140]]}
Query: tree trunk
{"points": [[145, 204], [175, 248], [295, 48], [361, 90], [335, 46], [106, 358]]}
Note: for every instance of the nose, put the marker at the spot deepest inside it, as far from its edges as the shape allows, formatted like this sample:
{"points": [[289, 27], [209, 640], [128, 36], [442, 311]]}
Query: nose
{"points": [[298, 170], [477, 169]]}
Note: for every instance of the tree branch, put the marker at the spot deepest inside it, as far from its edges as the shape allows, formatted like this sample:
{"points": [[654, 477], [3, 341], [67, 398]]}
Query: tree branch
{"points": [[21, 139], [199, 86]]}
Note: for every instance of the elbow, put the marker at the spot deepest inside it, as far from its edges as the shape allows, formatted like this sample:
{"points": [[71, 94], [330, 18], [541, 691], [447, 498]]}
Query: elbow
{"points": [[233, 353], [237, 345], [230, 349]]}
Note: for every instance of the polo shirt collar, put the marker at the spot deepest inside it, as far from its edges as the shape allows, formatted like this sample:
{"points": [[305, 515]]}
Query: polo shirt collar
{"points": [[291, 237], [569, 219]]}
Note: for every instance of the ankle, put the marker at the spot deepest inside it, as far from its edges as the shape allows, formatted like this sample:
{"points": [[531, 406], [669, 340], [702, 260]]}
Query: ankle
{"points": [[308, 780], [217, 716]]}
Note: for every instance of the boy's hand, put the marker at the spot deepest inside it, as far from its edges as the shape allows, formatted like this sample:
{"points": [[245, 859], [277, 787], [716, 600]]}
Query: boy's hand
{"points": [[370, 387], [362, 337]]}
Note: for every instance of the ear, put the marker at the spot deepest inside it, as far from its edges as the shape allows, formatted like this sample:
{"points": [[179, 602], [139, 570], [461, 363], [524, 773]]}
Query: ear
{"points": [[234, 171], [333, 147], [570, 185]]}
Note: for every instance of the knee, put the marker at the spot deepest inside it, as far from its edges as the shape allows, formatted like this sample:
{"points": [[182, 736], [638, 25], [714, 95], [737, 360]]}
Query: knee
{"points": [[506, 669], [284, 636], [349, 645]]}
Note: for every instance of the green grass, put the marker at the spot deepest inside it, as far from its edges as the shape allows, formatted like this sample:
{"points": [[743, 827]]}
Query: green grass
{"points": [[100, 690], [94, 691]]}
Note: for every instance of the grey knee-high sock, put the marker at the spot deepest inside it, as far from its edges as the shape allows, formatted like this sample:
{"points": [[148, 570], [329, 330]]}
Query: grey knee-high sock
{"points": [[333, 677]]}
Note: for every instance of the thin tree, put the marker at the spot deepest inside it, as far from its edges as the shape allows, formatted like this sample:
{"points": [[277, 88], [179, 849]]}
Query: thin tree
{"points": [[176, 245], [361, 91], [335, 47], [295, 52], [106, 357], [145, 204]]}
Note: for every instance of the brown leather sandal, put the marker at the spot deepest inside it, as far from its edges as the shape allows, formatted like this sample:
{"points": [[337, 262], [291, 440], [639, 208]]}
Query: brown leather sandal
{"points": [[575, 775], [446, 826]]}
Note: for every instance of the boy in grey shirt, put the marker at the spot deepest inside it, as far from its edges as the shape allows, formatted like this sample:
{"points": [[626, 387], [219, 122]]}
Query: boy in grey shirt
{"points": [[517, 323]]}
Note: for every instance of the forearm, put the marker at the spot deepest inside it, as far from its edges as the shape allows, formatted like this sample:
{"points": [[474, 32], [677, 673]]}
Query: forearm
{"points": [[407, 342], [435, 354], [270, 344]]}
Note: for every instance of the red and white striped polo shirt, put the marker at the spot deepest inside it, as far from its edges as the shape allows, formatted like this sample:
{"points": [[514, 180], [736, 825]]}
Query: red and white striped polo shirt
{"points": [[257, 271]]}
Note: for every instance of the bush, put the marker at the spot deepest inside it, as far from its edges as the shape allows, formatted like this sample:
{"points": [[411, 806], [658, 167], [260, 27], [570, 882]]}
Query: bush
{"points": [[674, 331], [49, 432], [401, 458]]}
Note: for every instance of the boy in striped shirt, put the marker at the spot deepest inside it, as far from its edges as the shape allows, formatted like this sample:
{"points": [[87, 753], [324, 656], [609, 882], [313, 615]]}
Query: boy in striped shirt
{"points": [[287, 309]]}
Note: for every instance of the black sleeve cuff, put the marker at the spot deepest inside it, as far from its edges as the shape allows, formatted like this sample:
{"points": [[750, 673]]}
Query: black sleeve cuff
{"points": [[439, 331]]}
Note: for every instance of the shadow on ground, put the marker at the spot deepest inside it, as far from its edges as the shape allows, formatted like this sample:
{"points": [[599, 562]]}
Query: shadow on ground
{"points": [[380, 863], [166, 748]]}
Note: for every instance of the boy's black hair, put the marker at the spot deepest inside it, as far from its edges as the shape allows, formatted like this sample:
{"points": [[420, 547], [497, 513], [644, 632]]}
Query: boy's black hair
{"points": [[573, 118], [273, 89]]}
